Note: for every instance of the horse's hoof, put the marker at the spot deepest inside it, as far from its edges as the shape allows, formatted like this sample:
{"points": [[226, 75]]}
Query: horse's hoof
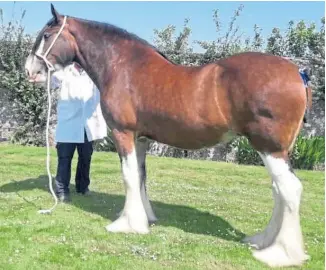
{"points": [[256, 241], [125, 225], [119, 214], [249, 240], [152, 220], [277, 256]]}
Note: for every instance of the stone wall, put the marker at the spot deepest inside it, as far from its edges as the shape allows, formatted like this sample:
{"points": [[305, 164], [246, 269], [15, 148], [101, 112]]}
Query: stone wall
{"points": [[8, 121], [316, 120]]}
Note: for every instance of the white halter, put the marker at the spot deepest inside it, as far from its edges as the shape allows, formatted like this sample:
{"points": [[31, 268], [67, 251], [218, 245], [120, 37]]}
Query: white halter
{"points": [[47, 62], [50, 69]]}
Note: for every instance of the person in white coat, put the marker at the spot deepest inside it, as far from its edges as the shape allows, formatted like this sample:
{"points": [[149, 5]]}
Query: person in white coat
{"points": [[79, 123]]}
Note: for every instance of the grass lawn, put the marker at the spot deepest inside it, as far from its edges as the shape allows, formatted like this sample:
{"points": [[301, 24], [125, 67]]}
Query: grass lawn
{"points": [[204, 209]]}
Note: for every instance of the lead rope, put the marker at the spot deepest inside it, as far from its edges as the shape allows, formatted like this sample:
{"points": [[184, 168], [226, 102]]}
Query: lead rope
{"points": [[50, 69], [49, 211]]}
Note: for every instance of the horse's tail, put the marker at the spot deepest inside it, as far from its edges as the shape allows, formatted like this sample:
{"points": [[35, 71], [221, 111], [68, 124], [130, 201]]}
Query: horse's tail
{"points": [[306, 79], [309, 104]]}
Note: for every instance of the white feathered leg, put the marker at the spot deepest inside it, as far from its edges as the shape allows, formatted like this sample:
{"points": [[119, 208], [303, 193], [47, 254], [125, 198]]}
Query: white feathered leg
{"points": [[133, 217], [281, 244]]}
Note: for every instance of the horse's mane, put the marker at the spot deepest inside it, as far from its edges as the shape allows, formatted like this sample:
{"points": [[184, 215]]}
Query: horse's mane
{"points": [[116, 31]]}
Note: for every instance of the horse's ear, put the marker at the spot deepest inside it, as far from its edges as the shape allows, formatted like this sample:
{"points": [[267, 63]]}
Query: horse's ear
{"points": [[55, 14]]}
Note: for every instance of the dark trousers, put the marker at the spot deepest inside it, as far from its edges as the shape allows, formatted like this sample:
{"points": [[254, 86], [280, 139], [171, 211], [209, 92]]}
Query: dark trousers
{"points": [[65, 152]]}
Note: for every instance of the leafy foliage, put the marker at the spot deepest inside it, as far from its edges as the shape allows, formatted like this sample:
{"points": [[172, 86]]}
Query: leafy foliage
{"points": [[304, 44], [29, 100], [308, 152], [106, 144], [245, 153], [175, 47]]}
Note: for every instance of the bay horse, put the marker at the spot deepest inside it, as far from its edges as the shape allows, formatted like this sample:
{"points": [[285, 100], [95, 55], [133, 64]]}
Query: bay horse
{"points": [[146, 97]]}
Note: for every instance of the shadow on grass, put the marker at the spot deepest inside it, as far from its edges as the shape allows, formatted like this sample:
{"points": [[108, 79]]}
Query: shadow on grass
{"points": [[106, 205]]}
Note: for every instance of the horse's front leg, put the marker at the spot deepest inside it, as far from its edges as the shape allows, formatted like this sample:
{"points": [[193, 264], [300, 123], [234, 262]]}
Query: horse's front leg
{"points": [[133, 217]]}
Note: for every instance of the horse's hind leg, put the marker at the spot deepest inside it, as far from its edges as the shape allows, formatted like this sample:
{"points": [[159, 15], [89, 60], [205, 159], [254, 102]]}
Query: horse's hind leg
{"points": [[141, 146], [266, 237], [133, 217], [281, 243]]}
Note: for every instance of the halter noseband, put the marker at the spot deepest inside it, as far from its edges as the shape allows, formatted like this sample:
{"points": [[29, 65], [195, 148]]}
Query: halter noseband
{"points": [[47, 62]]}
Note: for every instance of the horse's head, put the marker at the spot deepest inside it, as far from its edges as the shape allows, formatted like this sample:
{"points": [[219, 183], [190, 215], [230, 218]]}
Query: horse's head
{"points": [[53, 49]]}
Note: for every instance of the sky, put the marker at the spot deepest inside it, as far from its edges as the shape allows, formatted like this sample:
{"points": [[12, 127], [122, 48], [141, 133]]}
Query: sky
{"points": [[141, 18]]}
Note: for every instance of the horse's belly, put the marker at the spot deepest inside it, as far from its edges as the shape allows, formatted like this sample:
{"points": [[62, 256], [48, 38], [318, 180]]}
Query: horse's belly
{"points": [[188, 137]]}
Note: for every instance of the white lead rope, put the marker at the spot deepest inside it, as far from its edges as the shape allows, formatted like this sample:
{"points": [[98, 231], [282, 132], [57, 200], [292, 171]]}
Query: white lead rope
{"points": [[50, 69], [48, 211]]}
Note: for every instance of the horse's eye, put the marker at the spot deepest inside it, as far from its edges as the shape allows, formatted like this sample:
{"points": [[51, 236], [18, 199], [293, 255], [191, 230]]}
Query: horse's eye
{"points": [[46, 35]]}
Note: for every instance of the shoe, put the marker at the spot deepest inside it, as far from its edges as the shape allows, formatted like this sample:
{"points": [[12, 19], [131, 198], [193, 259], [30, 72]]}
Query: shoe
{"points": [[64, 198], [86, 192]]}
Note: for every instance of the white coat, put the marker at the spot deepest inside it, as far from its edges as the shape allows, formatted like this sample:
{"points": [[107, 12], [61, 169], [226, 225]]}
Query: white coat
{"points": [[78, 107]]}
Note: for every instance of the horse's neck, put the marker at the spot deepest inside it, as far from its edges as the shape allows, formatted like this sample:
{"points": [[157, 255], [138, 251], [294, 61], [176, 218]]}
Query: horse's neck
{"points": [[99, 53], [93, 54]]}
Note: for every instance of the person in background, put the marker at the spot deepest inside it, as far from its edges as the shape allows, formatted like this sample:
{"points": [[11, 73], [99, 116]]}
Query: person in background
{"points": [[79, 123]]}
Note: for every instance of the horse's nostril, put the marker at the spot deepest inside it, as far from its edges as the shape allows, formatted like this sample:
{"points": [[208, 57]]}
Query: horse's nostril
{"points": [[26, 72]]}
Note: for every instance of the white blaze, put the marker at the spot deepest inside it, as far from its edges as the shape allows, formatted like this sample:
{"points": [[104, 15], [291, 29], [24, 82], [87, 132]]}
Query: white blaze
{"points": [[40, 48]]}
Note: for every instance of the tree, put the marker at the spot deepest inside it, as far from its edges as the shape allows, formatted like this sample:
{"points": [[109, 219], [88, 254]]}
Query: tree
{"points": [[27, 98], [224, 44], [175, 47], [276, 43], [306, 46]]}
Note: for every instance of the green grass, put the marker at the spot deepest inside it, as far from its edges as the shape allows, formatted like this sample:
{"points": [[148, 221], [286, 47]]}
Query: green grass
{"points": [[204, 209]]}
